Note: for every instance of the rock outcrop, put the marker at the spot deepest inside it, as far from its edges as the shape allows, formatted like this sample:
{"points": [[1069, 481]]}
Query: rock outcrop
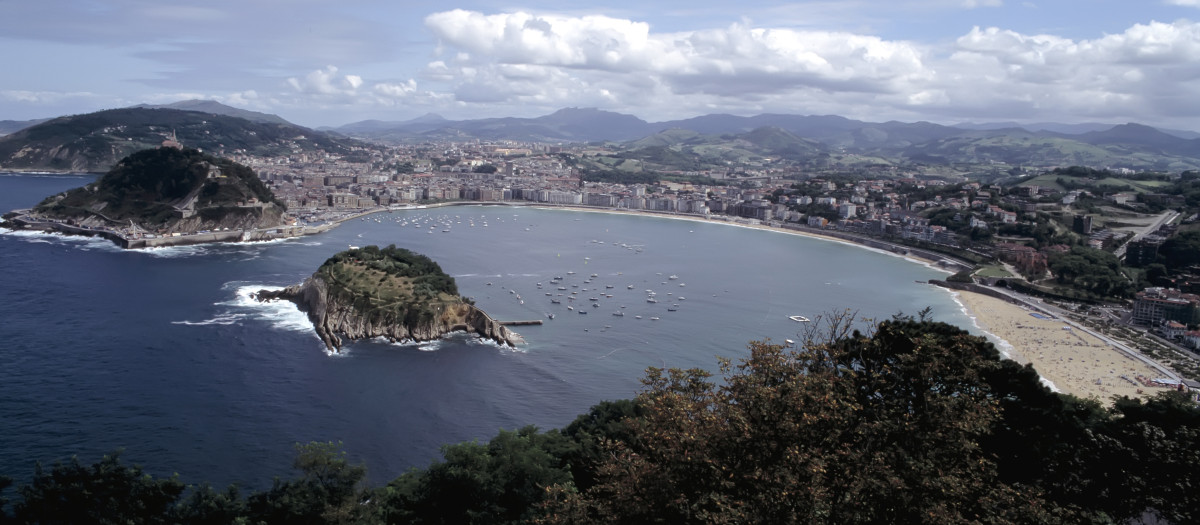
{"points": [[335, 316]]}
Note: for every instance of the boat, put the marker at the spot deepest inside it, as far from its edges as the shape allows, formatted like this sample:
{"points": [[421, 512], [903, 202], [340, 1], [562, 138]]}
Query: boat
{"points": [[619, 314], [653, 318], [555, 301], [551, 316], [583, 311], [595, 305], [798, 318], [608, 286], [637, 317], [593, 298], [651, 300], [672, 309], [569, 307], [673, 277], [629, 287]]}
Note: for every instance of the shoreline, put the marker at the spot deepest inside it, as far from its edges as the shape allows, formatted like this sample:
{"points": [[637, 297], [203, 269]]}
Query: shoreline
{"points": [[1068, 358], [1057, 354], [929, 259]]}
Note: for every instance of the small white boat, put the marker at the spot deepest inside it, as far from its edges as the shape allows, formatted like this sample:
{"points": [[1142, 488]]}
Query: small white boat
{"points": [[797, 318]]}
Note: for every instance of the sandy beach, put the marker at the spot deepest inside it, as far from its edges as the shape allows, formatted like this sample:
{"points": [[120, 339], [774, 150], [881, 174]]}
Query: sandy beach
{"points": [[1073, 361]]}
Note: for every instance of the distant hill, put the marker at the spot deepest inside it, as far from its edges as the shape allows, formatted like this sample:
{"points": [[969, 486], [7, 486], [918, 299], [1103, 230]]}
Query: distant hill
{"points": [[1044, 144], [216, 108], [170, 190], [11, 126], [564, 125], [94, 142]]}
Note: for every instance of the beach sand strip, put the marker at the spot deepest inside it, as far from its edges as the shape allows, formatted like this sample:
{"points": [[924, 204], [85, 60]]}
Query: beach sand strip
{"points": [[1072, 360]]}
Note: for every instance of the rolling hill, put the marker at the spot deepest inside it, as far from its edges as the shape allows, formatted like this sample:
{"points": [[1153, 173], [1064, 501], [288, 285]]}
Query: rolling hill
{"points": [[94, 142]]}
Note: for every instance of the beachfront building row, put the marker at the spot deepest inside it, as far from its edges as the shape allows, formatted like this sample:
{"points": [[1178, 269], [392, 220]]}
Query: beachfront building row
{"points": [[1154, 306]]}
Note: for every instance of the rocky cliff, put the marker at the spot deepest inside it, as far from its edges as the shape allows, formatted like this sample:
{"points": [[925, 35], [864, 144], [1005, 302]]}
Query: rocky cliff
{"points": [[338, 314]]}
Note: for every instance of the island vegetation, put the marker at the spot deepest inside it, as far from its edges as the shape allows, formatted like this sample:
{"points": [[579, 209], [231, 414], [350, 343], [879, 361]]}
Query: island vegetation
{"points": [[168, 189], [387, 292], [914, 421], [390, 280]]}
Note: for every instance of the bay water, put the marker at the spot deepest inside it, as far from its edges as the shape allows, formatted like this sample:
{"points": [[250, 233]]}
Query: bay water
{"points": [[163, 354]]}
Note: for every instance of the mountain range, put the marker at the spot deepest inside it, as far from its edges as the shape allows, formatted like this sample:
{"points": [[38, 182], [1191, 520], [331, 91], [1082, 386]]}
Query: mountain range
{"points": [[1131, 145], [95, 141]]}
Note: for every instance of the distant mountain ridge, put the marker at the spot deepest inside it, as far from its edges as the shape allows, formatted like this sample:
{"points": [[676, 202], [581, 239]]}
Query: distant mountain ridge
{"points": [[94, 142], [216, 108], [1128, 145]]}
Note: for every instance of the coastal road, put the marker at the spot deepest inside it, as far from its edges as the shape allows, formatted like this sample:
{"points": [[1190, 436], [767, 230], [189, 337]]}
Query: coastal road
{"points": [[1163, 218]]}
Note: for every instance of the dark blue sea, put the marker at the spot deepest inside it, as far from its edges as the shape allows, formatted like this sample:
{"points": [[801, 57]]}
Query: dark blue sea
{"points": [[162, 353]]}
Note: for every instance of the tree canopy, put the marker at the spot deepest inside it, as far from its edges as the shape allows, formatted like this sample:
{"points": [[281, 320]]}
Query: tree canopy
{"points": [[913, 422]]}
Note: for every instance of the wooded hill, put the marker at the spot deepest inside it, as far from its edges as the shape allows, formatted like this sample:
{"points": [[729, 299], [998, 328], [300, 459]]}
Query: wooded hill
{"points": [[94, 142], [157, 188]]}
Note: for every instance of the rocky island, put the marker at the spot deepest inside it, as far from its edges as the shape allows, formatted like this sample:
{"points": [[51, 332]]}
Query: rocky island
{"points": [[164, 196], [390, 292]]}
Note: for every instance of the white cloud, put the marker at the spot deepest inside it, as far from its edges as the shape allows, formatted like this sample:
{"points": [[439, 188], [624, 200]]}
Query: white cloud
{"points": [[546, 61], [401, 90], [718, 59], [326, 82], [973, 4], [1141, 71], [1185, 3]]}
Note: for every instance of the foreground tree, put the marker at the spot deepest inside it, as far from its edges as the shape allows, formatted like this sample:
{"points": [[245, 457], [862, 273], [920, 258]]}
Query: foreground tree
{"points": [[106, 492], [852, 429], [917, 422]]}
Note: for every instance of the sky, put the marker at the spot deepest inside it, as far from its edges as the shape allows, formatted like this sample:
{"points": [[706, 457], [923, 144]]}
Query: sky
{"points": [[333, 62]]}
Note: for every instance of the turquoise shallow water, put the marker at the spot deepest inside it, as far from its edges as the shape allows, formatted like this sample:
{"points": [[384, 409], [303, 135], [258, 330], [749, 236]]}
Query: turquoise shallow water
{"points": [[161, 352]]}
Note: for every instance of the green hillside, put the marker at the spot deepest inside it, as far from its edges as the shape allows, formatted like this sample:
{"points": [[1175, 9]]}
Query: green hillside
{"points": [[158, 187], [94, 142]]}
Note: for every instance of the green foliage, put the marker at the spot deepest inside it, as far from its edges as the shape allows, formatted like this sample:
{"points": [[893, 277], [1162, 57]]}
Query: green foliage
{"points": [[147, 185], [326, 492], [501, 482], [1090, 270], [962, 277], [881, 429], [1181, 250], [916, 422], [106, 492], [425, 274]]}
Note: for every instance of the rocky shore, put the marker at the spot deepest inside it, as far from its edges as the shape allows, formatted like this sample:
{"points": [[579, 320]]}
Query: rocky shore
{"points": [[335, 317]]}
